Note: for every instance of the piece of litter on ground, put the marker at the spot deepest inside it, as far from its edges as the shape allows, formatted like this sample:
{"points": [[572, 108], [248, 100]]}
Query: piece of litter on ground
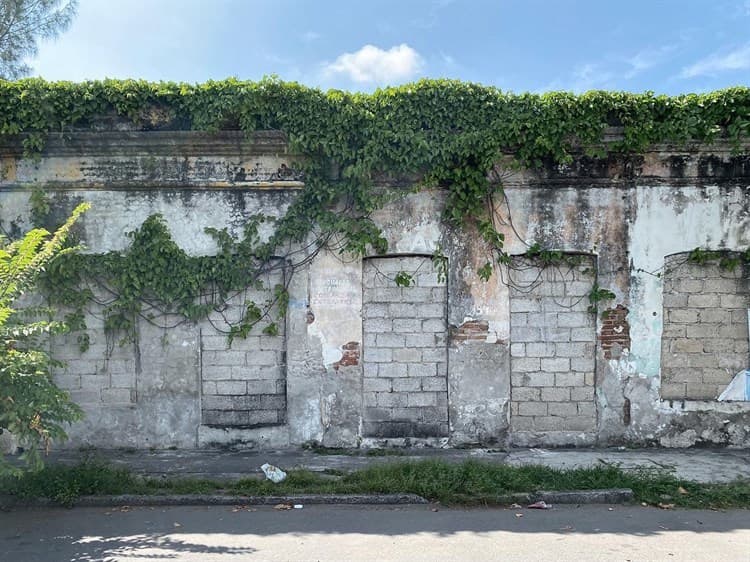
{"points": [[610, 509], [176, 524], [434, 509], [683, 491], [297, 506], [539, 505], [283, 506], [273, 473], [644, 504], [515, 506], [519, 514], [666, 505]]}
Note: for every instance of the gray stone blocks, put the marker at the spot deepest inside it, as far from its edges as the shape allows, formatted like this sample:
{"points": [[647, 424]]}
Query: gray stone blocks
{"points": [[243, 385], [405, 350], [552, 349], [704, 340]]}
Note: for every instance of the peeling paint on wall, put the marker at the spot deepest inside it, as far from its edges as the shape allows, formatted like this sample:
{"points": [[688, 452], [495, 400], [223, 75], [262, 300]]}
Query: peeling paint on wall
{"points": [[629, 214]]}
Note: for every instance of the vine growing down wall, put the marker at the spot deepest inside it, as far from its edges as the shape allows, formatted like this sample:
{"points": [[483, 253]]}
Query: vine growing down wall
{"points": [[449, 134]]}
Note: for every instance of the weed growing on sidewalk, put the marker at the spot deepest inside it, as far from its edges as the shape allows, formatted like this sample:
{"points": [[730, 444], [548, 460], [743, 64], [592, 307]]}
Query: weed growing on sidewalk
{"points": [[468, 483]]}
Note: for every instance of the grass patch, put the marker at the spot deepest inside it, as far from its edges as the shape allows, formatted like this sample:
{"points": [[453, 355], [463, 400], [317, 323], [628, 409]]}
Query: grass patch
{"points": [[468, 483]]}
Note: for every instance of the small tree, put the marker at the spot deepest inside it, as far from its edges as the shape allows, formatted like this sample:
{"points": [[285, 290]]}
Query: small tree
{"points": [[22, 23], [32, 408]]}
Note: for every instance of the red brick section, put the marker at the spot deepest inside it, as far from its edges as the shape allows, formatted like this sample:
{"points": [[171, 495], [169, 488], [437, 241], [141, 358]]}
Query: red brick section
{"points": [[615, 331], [350, 355], [472, 330]]}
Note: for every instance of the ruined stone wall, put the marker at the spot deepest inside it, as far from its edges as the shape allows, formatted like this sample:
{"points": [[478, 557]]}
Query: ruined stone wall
{"points": [[358, 361]]}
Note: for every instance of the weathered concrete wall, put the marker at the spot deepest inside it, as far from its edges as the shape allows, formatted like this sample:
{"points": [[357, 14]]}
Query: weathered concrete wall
{"points": [[186, 387]]}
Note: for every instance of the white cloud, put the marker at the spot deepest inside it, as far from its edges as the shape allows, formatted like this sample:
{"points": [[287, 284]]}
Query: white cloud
{"points": [[448, 60], [584, 77], [648, 58], [431, 18], [591, 77], [738, 59], [374, 65]]}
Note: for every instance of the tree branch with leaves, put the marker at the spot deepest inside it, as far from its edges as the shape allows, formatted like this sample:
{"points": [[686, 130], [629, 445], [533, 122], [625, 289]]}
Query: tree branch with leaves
{"points": [[22, 24], [32, 407]]}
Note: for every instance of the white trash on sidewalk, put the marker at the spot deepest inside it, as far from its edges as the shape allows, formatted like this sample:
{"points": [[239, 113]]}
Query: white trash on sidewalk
{"points": [[273, 473]]}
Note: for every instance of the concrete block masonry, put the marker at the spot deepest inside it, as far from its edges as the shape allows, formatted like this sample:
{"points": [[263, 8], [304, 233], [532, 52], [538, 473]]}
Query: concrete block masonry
{"points": [[550, 392], [360, 361], [705, 341], [405, 353]]}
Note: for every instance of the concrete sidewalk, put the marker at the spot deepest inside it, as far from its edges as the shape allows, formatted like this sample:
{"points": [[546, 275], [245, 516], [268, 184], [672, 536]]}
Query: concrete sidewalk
{"points": [[701, 465]]}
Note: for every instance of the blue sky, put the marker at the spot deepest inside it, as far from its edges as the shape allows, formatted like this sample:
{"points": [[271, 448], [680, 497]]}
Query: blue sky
{"points": [[519, 45]]}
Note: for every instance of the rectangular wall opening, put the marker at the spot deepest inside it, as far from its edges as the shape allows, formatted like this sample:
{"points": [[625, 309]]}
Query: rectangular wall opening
{"points": [[405, 349]]}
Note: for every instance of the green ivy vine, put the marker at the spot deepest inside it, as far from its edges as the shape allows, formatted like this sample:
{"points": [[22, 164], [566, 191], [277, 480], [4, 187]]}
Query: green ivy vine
{"points": [[447, 133], [727, 260]]}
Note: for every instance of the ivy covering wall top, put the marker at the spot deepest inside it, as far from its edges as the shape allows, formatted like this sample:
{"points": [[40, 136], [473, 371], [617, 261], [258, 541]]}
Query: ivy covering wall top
{"points": [[416, 119], [450, 134]]}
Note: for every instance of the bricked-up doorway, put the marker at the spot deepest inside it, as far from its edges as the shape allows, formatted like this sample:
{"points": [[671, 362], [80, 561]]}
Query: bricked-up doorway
{"points": [[553, 346], [705, 342], [405, 349], [244, 385]]}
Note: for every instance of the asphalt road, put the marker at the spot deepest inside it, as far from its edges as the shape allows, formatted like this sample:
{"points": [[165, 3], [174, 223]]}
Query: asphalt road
{"points": [[373, 533]]}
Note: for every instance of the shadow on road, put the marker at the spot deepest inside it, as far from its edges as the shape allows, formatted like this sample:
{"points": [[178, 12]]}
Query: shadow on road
{"points": [[203, 533]]}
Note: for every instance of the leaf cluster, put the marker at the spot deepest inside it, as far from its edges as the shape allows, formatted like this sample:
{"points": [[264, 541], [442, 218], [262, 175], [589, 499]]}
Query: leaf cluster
{"points": [[32, 408], [445, 133]]}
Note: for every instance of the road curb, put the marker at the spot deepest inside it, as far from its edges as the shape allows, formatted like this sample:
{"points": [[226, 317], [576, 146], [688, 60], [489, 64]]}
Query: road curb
{"points": [[566, 497], [607, 496], [218, 499], [611, 495]]}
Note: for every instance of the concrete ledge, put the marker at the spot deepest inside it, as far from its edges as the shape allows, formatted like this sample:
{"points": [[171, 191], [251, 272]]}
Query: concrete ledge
{"points": [[567, 497], [7, 502], [612, 495], [606, 496]]}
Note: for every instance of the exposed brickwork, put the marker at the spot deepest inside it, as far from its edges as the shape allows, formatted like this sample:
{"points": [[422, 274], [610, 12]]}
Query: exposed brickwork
{"points": [[552, 347], [405, 353], [705, 341], [243, 385], [350, 354], [615, 333], [473, 330]]}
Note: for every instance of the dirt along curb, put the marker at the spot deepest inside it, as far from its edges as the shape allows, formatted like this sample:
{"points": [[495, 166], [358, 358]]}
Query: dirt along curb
{"points": [[608, 496]]}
